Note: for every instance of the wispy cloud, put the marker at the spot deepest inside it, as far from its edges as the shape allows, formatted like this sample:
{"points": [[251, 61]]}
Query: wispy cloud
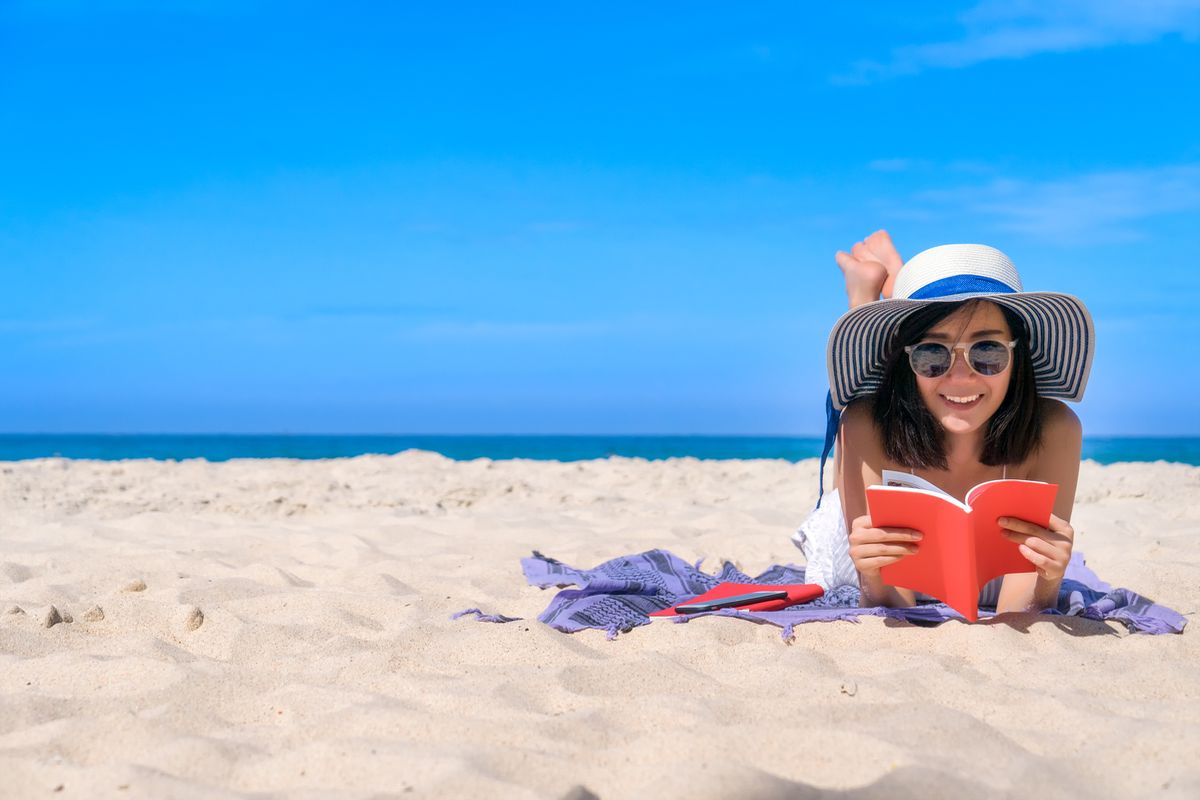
{"points": [[51, 326], [553, 226], [371, 310], [894, 164], [1013, 29], [274, 330], [1099, 207], [926, 165], [493, 330]]}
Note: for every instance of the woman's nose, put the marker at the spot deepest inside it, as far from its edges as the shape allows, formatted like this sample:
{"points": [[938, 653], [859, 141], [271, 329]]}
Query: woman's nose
{"points": [[961, 368]]}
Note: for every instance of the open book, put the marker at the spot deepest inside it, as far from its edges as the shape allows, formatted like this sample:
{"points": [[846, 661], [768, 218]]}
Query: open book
{"points": [[963, 547]]}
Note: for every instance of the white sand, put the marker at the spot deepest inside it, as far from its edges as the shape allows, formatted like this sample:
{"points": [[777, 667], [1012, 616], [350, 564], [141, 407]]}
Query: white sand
{"points": [[284, 627]]}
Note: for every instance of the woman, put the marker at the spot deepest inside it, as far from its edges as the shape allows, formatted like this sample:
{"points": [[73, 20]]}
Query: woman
{"points": [[951, 377]]}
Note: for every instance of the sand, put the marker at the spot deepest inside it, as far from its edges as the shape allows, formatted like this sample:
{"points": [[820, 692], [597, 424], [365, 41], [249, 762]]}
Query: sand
{"points": [[283, 627]]}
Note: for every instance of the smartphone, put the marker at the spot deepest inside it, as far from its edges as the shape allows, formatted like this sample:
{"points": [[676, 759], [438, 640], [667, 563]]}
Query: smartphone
{"points": [[733, 601]]}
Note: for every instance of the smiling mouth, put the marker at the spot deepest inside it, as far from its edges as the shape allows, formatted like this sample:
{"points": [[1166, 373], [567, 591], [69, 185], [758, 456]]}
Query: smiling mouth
{"points": [[962, 401]]}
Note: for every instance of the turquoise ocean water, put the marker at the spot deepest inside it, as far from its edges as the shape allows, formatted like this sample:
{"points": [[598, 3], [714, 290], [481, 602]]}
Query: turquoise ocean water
{"points": [[562, 448]]}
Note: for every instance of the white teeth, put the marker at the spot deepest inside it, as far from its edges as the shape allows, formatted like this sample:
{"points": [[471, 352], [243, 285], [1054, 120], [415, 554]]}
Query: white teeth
{"points": [[970, 399]]}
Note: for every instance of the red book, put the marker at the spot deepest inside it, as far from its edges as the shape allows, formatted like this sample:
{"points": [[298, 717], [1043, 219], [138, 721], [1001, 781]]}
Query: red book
{"points": [[963, 546], [797, 593]]}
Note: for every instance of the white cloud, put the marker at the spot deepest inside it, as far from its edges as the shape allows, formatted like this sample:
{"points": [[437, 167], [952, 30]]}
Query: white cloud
{"points": [[1013, 29], [926, 165], [1091, 208]]}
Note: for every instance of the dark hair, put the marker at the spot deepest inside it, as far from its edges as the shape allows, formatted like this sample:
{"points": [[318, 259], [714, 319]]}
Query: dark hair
{"points": [[912, 436]]}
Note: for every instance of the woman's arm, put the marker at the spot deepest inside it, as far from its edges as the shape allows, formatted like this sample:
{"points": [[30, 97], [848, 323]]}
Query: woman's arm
{"points": [[1048, 549], [871, 548]]}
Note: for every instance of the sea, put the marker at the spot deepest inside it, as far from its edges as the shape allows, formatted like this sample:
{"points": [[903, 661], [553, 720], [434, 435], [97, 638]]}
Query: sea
{"points": [[223, 447]]}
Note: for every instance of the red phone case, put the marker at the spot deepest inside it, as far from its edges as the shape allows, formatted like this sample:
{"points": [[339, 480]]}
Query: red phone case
{"points": [[797, 593]]}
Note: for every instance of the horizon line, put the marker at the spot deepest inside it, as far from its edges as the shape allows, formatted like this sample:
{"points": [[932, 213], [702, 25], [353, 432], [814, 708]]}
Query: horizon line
{"points": [[522, 435]]}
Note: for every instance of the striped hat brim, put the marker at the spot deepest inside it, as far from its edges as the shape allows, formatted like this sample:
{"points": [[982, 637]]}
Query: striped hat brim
{"points": [[1061, 342]]}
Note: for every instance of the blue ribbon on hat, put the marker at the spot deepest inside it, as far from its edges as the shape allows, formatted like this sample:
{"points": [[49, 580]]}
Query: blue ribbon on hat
{"points": [[832, 417], [961, 284]]}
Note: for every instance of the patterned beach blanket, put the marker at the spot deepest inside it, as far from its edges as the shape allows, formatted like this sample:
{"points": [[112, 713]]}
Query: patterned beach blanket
{"points": [[619, 594]]}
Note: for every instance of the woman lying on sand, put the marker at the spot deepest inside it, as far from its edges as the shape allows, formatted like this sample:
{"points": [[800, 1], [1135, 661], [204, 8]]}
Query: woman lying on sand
{"points": [[950, 377]]}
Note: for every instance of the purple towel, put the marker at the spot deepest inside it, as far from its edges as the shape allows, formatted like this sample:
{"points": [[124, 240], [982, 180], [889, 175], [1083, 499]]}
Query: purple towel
{"points": [[619, 594]]}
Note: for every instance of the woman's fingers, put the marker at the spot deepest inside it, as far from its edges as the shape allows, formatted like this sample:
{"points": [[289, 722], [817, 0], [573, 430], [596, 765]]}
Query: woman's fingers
{"points": [[1018, 525], [1061, 526], [870, 557], [897, 535], [1037, 545], [884, 549], [863, 534], [874, 535], [1048, 550], [1025, 538], [1059, 530], [872, 548], [1037, 559], [868, 565]]}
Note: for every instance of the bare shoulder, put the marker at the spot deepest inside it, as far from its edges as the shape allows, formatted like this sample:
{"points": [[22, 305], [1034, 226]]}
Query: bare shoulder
{"points": [[858, 420], [859, 432], [1060, 425], [1056, 459]]}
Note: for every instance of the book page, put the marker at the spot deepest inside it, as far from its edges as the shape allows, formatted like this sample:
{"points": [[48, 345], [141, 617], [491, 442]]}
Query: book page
{"points": [[979, 489], [891, 477]]}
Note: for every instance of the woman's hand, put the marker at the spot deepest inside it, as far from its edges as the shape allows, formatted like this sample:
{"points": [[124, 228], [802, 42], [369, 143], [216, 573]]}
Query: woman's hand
{"points": [[1048, 549], [872, 548], [870, 268]]}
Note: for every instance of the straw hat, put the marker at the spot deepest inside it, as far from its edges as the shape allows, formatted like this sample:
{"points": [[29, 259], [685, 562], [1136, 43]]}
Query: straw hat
{"points": [[1062, 338]]}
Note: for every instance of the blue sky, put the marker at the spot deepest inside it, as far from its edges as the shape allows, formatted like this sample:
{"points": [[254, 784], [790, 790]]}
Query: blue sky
{"points": [[564, 218]]}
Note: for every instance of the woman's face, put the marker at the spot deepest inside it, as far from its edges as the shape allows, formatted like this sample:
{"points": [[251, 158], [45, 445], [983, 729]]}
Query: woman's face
{"points": [[962, 400]]}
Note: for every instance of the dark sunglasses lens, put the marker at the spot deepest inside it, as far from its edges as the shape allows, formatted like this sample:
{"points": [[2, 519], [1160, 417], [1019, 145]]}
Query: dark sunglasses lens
{"points": [[988, 358], [930, 360]]}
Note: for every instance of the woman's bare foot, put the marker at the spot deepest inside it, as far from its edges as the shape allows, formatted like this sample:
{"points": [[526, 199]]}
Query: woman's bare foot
{"points": [[870, 268]]}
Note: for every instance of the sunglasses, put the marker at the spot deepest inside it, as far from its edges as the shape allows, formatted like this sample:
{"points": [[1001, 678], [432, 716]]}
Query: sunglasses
{"points": [[934, 359]]}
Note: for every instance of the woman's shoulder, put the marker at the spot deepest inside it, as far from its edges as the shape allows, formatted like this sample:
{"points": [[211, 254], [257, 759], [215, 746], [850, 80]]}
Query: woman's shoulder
{"points": [[1059, 422], [859, 430], [1057, 457], [859, 416]]}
